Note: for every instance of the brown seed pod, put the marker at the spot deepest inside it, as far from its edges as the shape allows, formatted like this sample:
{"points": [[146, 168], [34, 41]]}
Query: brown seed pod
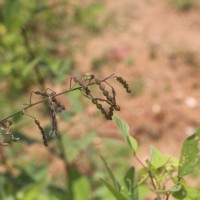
{"points": [[53, 117], [99, 106], [101, 86], [116, 107], [44, 137]]}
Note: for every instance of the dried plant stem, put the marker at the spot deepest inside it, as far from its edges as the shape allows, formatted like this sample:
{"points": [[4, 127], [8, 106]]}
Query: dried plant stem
{"points": [[150, 174], [45, 99], [65, 160], [36, 103]]}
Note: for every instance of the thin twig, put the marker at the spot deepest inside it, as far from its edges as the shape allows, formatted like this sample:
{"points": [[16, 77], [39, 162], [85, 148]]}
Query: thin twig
{"points": [[43, 100]]}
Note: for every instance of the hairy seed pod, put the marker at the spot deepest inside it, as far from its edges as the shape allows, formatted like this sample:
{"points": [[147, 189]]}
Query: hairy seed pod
{"points": [[103, 111], [94, 101], [102, 86], [111, 108], [44, 137], [105, 93], [128, 90], [53, 117], [108, 117], [99, 106], [40, 93], [109, 98], [97, 81], [116, 107]]}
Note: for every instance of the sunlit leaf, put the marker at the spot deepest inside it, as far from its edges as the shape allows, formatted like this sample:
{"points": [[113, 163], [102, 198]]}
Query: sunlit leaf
{"points": [[190, 155], [131, 183], [111, 174], [124, 130], [118, 195], [157, 159]]}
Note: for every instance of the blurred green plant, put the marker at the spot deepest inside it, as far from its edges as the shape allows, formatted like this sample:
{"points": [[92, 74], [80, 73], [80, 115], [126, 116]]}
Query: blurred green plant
{"points": [[163, 175], [183, 4]]}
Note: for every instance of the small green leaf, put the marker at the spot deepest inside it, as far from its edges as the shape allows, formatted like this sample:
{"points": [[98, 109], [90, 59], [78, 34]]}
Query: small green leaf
{"points": [[190, 155], [112, 176], [157, 159], [124, 129], [33, 191], [176, 188], [131, 183], [30, 66], [180, 192], [132, 142], [118, 195], [81, 189]]}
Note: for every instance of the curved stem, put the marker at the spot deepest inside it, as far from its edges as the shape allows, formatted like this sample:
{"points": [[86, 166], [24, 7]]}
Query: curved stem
{"points": [[46, 99]]}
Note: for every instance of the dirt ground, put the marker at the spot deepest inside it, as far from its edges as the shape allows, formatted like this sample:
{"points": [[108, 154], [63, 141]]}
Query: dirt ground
{"points": [[156, 48]]}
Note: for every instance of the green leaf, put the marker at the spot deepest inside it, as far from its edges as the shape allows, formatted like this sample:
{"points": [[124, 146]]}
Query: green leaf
{"points": [[124, 129], [57, 193], [178, 192], [131, 183], [81, 189], [118, 195], [73, 148], [33, 191], [176, 188], [157, 159], [190, 155], [112, 176], [132, 142], [30, 66], [86, 140]]}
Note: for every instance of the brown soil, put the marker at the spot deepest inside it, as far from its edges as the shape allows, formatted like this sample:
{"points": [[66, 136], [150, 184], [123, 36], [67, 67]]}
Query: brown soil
{"points": [[163, 44]]}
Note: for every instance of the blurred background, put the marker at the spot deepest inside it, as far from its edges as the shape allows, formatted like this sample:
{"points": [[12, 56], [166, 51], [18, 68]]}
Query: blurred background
{"points": [[153, 44]]}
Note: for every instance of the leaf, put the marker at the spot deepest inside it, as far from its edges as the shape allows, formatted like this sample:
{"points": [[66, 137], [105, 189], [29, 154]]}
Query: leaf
{"points": [[57, 193], [30, 66], [86, 140], [132, 142], [176, 188], [73, 148], [124, 129], [112, 176], [33, 191], [81, 189], [190, 155], [178, 191], [157, 159], [131, 183], [118, 195]]}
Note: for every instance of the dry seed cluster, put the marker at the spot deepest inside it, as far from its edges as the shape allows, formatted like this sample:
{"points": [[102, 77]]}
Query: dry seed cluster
{"points": [[44, 137], [8, 136], [124, 83], [108, 97], [103, 85]]}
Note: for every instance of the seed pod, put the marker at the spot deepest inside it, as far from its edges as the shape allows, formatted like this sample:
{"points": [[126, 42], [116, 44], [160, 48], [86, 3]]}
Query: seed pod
{"points": [[102, 86], [108, 117], [110, 113], [128, 90], [111, 108], [94, 101], [109, 98], [38, 92], [97, 81], [44, 137], [116, 107], [103, 111], [99, 106], [53, 117], [105, 93]]}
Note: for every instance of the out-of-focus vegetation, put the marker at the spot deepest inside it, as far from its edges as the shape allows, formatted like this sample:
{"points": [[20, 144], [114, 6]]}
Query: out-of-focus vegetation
{"points": [[37, 44], [37, 41]]}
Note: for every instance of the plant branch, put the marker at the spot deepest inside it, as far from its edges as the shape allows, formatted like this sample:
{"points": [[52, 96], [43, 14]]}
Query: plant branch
{"points": [[46, 99]]}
